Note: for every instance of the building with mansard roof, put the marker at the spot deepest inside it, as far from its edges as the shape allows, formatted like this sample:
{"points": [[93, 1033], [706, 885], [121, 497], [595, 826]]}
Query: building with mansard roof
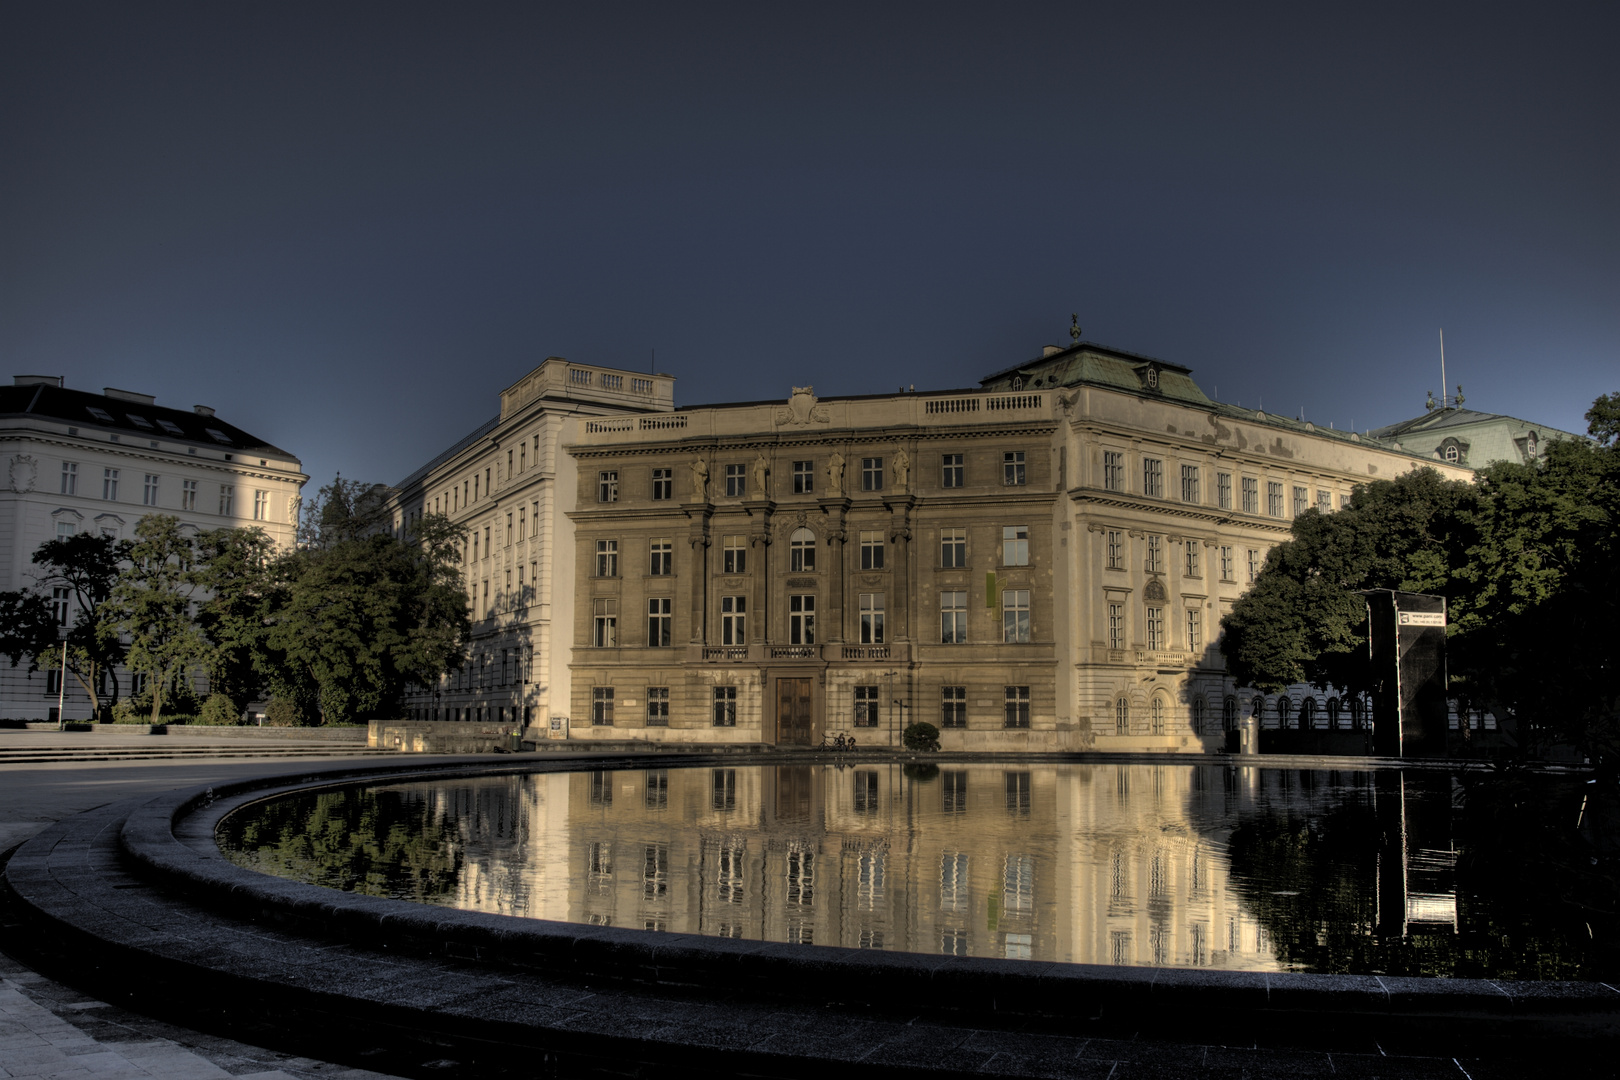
{"points": [[78, 461], [1450, 433]]}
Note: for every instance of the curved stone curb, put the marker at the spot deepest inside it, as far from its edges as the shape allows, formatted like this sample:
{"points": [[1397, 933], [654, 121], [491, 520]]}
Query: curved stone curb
{"points": [[190, 862]]}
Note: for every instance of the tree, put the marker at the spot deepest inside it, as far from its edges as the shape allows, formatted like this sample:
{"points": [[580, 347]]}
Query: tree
{"points": [[152, 604], [359, 614], [234, 571], [27, 628], [1603, 420], [88, 567]]}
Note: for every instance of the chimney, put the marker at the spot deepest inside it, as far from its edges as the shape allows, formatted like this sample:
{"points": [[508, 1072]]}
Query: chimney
{"points": [[203, 410], [36, 380], [129, 395]]}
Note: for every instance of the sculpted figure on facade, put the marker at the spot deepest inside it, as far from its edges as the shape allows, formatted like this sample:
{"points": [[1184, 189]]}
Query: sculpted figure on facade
{"points": [[902, 470], [835, 474], [700, 478], [762, 471]]}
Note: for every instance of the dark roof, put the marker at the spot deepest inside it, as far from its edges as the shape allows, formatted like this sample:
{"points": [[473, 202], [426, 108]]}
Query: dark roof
{"points": [[85, 409], [1441, 419], [461, 444]]}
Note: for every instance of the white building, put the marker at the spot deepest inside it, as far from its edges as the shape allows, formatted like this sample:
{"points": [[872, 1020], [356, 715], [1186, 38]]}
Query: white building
{"points": [[78, 461]]}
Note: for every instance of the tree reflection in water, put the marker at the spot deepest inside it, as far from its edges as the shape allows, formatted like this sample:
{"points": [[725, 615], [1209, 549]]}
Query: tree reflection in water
{"points": [[1176, 865]]}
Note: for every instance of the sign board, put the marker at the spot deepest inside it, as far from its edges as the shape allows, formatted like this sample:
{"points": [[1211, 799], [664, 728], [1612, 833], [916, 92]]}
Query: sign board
{"points": [[559, 728], [1422, 618]]}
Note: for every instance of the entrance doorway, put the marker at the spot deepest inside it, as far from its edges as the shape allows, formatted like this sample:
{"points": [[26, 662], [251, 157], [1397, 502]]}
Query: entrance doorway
{"points": [[793, 722]]}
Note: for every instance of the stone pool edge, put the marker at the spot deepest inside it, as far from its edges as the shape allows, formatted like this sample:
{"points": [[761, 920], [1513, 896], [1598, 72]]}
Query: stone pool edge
{"points": [[171, 838]]}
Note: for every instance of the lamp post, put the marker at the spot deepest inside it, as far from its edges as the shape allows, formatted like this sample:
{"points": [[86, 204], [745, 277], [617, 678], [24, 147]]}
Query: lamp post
{"points": [[889, 683]]}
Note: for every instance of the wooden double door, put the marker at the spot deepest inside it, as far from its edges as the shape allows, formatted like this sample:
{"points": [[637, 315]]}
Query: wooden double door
{"points": [[795, 716]]}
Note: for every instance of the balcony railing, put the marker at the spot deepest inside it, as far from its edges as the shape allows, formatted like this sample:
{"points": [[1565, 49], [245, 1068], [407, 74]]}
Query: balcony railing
{"points": [[794, 652], [725, 652], [866, 652]]}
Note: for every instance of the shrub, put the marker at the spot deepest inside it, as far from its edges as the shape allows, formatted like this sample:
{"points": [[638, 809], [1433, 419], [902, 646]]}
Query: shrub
{"points": [[218, 711], [284, 712], [921, 736], [129, 712]]}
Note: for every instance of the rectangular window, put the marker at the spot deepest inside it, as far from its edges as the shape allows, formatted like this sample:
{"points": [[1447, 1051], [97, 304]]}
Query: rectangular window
{"points": [[1301, 501], [802, 619], [1344, 501], [663, 484], [950, 470], [804, 477], [149, 490], [602, 706], [1251, 495], [658, 716], [953, 707], [607, 486], [723, 796], [508, 530], [1223, 490], [227, 500], [736, 481], [1274, 498], [734, 620], [1015, 545], [1324, 501], [1116, 626], [1155, 628], [1113, 470], [1254, 565], [871, 550], [1153, 477], [65, 528], [1195, 630], [1154, 563], [523, 457], [188, 494], [109, 485], [872, 474], [607, 556], [871, 618], [59, 605], [1015, 615], [1189, 483], [1193, 547], [661, 557], [1115, 542], [725, 706], [866, 706], [660, 622], [953, 618], [261, 503], [1012, 468], [733, 554], [1017, 707], [70, 478], [605, 622], [523, 523], [952, 548]]}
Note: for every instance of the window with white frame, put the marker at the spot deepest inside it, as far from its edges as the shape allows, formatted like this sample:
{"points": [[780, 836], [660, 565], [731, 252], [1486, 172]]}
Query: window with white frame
{"points": [[1301, 501], [1114, 541], [734, 554], [1155, 627], [736, 481], [1324, 501], [227, 500], [872, 474], [802, 619], [188, 494], [802, 550], [1152, 477], [1195, 629], [1017, 707], [1122, 716], [70, 478], [804, 477], [1156, 715], [1015, 545], [660, 622], [1189, 483], [60, 597], [1223, 490], [871, 550], [1226, 563], [607, 556], [109, 485], [953, 618], [661, 557], [734, 620], [1153, 560], [607, 486], [1012, 468], [1193, 549], [1113, 470], [1274, 498], [1254, 564], [951, 473], [953, 706], [149, 490], [725, 706], [663, 484], [261, 506], [1116, 625], [867, 708], [871, 608], [1015, 615], [65, 528], [1251, 495], [604, 621], [952, 548]]}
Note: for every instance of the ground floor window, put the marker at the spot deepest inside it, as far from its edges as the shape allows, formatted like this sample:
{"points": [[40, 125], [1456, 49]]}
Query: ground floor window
{"points": [[725, 706], [1017, 707], [1122, 716], [602, 705], [953, 706], [658, 706], [1198, 715], [1285, 709], [1156, 713], [866, 706]]}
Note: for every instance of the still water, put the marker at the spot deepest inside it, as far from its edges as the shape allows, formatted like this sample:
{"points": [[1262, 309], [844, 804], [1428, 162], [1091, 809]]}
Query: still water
{"points": [[1168, 865]]}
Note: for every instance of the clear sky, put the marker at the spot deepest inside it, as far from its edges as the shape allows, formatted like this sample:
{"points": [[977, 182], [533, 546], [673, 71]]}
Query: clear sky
{"points": [[347, 227]]}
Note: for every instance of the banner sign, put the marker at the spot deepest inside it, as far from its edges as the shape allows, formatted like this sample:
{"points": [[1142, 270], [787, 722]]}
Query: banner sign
{"points": [[1421, 618]]}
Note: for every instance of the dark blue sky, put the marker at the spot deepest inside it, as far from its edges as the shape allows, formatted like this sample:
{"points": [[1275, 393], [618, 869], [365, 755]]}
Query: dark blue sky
{"points": [[347, 227]]}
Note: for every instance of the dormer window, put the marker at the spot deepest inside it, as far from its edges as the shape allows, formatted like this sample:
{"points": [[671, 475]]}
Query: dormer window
{"points": [[218, 436], [139, 421], [1018, 382], [1453, 455], [171, 427], [100, 414]]}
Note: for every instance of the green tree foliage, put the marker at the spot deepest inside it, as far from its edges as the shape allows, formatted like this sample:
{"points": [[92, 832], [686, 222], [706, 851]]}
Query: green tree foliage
{"points": [[88, 566], [151, 604], [235, 570], [27, 628], [358, 613]]}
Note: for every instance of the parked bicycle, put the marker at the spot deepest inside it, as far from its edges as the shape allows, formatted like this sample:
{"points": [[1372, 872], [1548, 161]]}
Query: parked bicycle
{"points": [[837, 741]]}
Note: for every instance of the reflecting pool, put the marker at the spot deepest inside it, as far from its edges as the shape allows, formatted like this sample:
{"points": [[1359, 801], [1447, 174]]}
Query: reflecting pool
{"points": [[1171, 865]]}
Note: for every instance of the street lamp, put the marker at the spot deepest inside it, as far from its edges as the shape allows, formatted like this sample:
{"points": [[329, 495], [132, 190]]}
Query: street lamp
{"points": [[889, 675]]}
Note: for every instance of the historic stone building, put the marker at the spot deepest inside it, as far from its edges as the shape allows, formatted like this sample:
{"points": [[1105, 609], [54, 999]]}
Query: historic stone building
{"points": [[501, 483], [1450, 433], [84, 462], [1039, 563]]}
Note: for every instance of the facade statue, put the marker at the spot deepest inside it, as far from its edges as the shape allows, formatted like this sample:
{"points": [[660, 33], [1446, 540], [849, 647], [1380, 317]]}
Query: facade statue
{"points": [[835, 474], [762, 471], [700, 478], [902, 470]]}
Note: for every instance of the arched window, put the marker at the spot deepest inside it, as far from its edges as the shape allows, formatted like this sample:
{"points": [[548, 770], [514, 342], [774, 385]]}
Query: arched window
{"points": [[1157, 715], [1285, 707], [1358, 717], [1333, 713], [1198, 715], [1307, 714], [802, 550], [1257, 709], [1122, 716], [1229, 713]]}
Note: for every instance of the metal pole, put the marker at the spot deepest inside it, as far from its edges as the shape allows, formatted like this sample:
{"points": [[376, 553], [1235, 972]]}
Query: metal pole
{"points": [[61, 690]]}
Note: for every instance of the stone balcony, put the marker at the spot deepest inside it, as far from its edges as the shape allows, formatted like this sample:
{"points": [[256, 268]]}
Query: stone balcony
{"points": [[827, 653]]}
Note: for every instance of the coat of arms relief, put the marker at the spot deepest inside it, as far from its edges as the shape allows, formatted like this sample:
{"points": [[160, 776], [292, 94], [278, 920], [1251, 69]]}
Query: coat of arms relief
{"points": [[802, 409]]}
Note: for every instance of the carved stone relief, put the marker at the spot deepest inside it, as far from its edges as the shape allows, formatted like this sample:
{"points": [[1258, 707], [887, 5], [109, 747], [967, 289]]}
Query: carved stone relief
{"points": [[802, 409], [24, 471]]}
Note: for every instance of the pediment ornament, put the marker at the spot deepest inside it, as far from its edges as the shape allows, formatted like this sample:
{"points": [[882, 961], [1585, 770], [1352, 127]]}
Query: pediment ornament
{"points": [[24, 471], [802, 409]]}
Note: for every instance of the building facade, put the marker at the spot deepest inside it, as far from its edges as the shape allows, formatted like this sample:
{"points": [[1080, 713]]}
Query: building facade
{"points": [[84, 462], [1450, 433], [1039, 563], [501, 483]]}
